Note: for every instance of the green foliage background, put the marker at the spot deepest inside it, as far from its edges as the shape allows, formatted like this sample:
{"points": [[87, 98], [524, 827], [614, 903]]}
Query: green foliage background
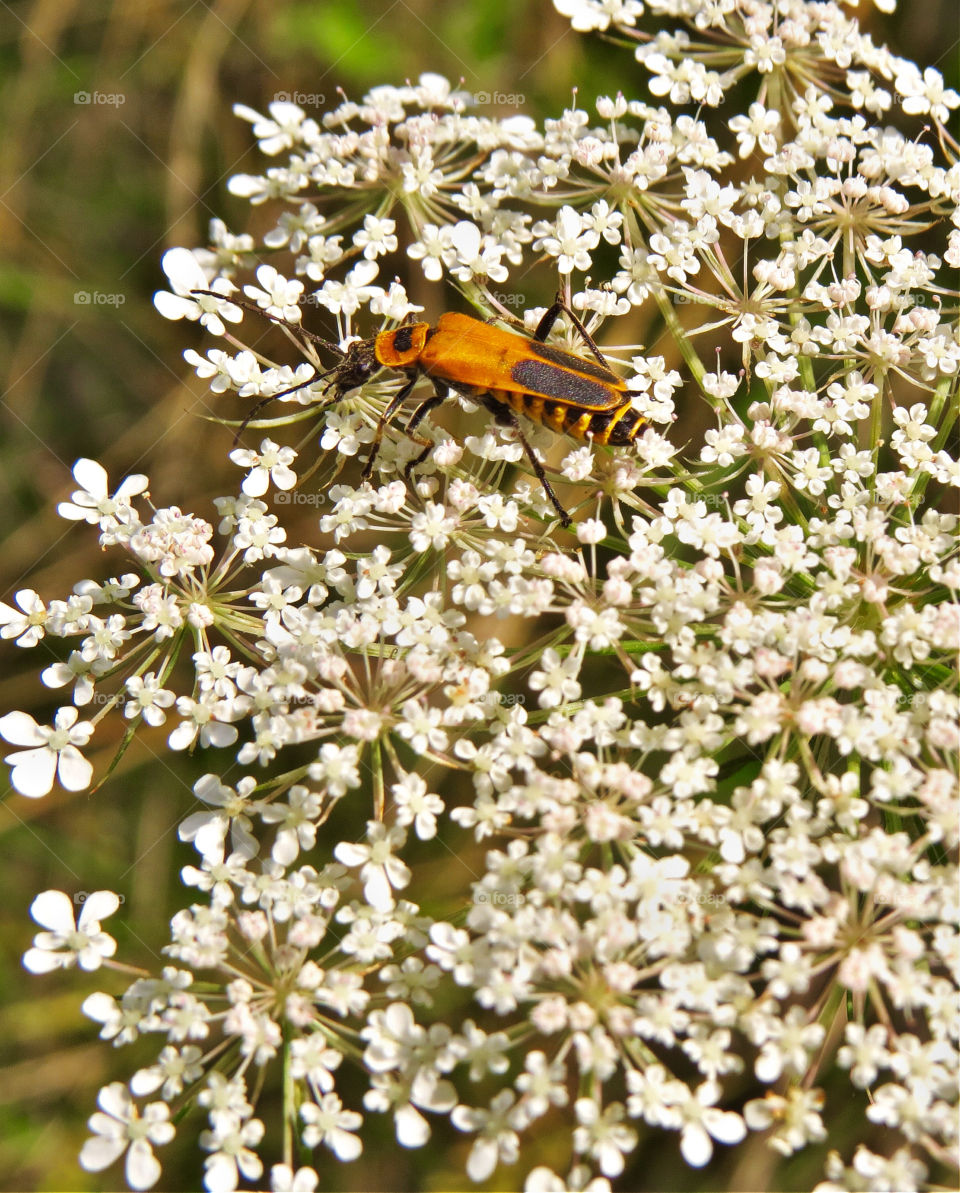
{"points": [[90, 196]]}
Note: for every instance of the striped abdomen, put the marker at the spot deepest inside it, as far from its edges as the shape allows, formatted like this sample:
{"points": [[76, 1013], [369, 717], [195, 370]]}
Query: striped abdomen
{"points": [[617, 426]]}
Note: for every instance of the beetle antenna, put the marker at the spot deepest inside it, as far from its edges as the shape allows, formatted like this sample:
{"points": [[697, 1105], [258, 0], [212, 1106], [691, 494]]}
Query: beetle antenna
{"points": [[252, 306], [258, 406]]}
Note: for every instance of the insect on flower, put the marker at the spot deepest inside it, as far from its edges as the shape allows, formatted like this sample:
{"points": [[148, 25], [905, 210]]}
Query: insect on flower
{"points": [[504, 371]]}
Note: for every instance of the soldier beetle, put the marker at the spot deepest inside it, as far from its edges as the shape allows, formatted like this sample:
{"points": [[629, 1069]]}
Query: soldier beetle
{"points": [[507, 373]]}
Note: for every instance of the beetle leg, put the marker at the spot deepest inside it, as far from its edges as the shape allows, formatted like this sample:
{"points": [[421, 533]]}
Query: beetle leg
{"points": [[392, 407], [545, 325], [439, 395], [553, 314], [416, 418], [505, 416]]}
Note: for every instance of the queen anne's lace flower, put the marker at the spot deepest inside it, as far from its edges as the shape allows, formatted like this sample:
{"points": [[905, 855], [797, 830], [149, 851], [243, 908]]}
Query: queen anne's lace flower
{"points": [[698, 873], [54, 752], [119, 1127], [68, 943]]}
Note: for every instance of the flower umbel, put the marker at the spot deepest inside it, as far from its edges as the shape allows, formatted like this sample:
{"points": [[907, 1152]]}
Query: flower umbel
{"points": [[644, 828]]}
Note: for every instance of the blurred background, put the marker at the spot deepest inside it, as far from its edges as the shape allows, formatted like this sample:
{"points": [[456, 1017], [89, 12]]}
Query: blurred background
{"points": [[117, 142]]}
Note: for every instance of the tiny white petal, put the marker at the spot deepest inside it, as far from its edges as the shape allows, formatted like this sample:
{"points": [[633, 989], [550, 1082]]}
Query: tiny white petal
{"points": [[20, 729], [98, 906], [143, 1168], [413, 1129], [99, 1153], [33, 772], [73, 770], [41, 960], [482, 1159], [695, 1145], [54, 910], [351, 854], [92, 477]]}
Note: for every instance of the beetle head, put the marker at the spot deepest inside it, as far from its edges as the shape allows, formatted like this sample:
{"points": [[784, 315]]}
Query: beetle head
{"points": [[358, 365]]}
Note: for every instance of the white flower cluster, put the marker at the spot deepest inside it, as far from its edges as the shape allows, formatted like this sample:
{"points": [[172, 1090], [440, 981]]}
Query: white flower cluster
{"points": [[699, 756]]}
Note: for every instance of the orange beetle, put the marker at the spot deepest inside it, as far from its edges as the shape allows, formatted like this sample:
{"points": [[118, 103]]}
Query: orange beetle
{"points": [[506, 372]]}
